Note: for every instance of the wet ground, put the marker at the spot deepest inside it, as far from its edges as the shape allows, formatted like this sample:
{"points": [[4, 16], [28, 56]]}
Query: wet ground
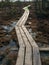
{"points": [[42, 42], [45, 57], [9, 45], [7, 50]]}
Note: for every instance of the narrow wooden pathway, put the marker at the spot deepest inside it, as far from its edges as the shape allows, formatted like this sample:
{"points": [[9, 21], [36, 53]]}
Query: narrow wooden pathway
{"points": [[28, 52]]}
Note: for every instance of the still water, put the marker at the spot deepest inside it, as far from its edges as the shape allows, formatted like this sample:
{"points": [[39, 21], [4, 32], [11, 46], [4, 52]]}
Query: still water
{"points": [[12, 46]]}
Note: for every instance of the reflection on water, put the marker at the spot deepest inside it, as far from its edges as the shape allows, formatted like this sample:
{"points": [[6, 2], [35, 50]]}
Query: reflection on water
{"points": [[5, 50], [41, 43], [9, 47], [11, 44], [9, 28], [39, 38], [33, 34], [44, 53], [45, 57]]}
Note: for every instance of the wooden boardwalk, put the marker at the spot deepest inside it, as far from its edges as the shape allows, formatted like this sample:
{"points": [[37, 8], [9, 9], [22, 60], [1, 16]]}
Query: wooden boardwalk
{"points": [[28, 52]]}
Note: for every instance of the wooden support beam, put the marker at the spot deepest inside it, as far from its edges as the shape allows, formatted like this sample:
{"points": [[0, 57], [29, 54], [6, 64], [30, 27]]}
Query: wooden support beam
{"points": [[44, 49]]}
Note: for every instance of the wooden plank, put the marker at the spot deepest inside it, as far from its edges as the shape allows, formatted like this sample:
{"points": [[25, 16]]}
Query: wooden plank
{"points": [[21, 53], [28, 55], [44, 49], [21, 43], [36, 52], [21, 18], [25, 18], [31, 40], [27, 14], [20, 58], [36, 56]]}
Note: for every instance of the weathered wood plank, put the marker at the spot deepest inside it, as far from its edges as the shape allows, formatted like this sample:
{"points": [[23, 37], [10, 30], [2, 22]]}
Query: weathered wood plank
{"points": [[25, 19], [27, 14], [44, 49], [21, 53], [20, 20], [28, 55], [36, 53], [36, 56], [19, 36], [32, 42]]}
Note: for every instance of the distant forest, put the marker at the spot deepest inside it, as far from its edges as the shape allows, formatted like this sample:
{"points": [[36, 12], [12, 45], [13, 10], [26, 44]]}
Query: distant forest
{"points": [[9, 9]]}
